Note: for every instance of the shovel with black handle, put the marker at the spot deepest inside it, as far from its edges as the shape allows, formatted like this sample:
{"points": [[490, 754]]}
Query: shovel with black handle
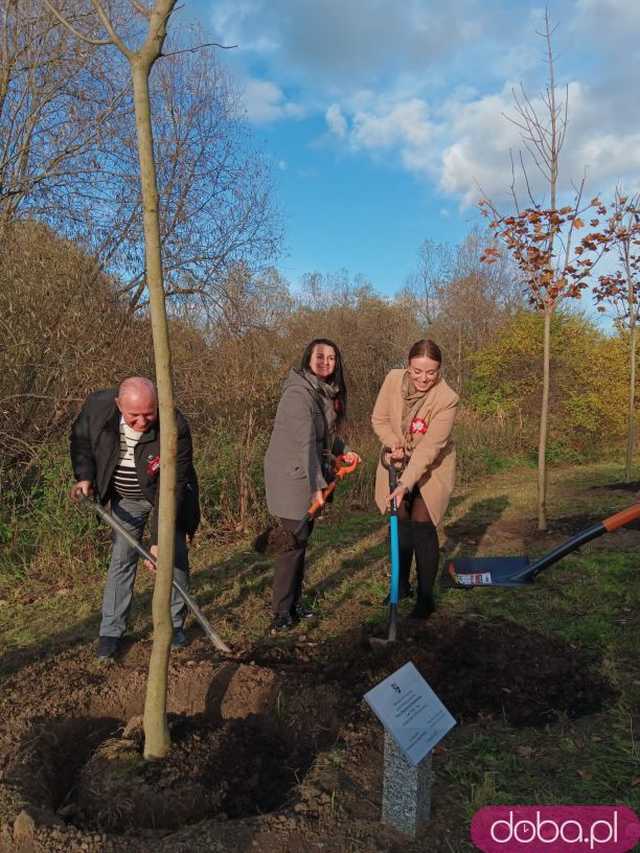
{"points": [[142, 551], [471, 572]]}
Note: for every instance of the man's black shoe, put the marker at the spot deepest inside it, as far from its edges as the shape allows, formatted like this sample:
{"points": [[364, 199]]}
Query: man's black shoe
{"points": [[300, 612], [107, 647], [179, 640], [281, 623]]}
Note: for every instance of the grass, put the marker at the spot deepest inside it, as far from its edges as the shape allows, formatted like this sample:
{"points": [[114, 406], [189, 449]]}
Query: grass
{"points": [[591, 599]]}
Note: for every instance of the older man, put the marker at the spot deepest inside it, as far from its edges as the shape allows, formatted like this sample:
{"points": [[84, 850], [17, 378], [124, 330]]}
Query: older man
{"points": [[115, 453]]}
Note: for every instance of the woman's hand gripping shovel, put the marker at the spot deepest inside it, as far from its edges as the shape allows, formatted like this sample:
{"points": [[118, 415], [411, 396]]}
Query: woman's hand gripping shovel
{"points": [[277, 540], [115, 525], [394, 548]]}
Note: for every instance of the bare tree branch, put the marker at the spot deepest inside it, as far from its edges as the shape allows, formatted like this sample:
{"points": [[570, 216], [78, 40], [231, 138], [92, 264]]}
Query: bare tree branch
{"points": [[114, 37], [144, 10], [72, 29], [199, 47]]}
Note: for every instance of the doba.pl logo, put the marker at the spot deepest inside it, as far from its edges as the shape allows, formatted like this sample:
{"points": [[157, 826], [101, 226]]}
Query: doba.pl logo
{"points": [[555, 829]]}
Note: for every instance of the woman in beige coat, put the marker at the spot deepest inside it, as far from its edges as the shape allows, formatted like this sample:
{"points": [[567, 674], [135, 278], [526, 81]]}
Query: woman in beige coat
{"points": [[413, 416]]}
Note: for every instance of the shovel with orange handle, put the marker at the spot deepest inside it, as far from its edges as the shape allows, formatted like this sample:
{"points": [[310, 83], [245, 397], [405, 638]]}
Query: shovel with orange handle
{"points": [[277, 540], [470, 572]]}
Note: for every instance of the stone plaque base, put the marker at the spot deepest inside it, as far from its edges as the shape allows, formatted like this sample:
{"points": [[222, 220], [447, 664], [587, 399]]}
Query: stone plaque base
{"points": [[406, 794]]}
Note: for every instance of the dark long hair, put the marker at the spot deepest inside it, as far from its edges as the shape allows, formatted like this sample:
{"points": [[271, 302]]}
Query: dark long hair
{"points": [[337, 377]]}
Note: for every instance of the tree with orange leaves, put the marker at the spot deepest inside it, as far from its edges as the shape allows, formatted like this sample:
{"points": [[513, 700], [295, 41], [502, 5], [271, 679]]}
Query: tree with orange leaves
{"points": [[543, 240], [621, 289]]}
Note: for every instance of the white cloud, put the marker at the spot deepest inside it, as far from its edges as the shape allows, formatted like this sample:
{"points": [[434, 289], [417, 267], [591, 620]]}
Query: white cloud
{"points": [[405, 124], [610, 31], [377, 125], [426, 84], [232, 20], [607, 155], [482, 137], [618, 15], [476, 158], [336, 122], [265, 102], [466, 144]]}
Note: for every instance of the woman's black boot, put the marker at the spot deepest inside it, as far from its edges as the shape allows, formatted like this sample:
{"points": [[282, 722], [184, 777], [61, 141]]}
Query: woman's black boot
{"points": [[427, 551]]}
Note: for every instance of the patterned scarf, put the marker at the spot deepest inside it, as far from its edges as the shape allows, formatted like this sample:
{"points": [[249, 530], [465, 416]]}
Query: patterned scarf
{"points": [[412, 400], [327, 393]]}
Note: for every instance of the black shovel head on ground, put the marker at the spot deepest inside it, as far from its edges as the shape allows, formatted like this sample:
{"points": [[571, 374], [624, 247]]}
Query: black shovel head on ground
{"points": [[469, 572]]}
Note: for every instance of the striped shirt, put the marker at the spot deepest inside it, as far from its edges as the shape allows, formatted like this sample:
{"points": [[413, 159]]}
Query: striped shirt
{"points": [[125, 478]]}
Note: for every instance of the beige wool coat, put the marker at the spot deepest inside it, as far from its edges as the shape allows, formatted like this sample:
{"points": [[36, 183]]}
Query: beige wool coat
{"points": [[433, 461]]}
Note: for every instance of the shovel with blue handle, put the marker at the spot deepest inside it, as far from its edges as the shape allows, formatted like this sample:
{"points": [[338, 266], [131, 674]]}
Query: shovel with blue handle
{"points": [[394, 552]]}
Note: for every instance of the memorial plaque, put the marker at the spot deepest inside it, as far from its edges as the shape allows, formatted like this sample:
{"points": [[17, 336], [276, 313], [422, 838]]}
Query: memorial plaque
{"points": [[411, 712]]}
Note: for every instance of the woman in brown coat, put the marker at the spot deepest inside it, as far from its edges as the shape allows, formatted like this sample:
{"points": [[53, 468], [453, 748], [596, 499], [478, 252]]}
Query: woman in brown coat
{"points": [[413, 416]]}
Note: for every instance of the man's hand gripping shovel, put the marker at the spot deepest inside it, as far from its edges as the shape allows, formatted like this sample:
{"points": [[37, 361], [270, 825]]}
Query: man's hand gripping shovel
{"points": [[276, 540], [148, 557]]}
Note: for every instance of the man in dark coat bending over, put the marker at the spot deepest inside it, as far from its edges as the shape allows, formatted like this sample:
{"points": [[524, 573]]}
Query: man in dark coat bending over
{"points": [[115, 453]]}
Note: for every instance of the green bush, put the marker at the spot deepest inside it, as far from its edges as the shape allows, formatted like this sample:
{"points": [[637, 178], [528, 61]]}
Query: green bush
{"points": [[486, 444], [47, 539], [230, 471]]}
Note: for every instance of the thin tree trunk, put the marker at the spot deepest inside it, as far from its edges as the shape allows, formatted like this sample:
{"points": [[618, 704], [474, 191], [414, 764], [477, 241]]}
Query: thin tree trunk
{"points": [[544, 422], [157, 741], [244, 471], [631, 419], [554, 157]]}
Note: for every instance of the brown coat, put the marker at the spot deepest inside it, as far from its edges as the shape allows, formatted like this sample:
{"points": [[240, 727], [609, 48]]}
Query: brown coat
{"points": [[433, 461]]}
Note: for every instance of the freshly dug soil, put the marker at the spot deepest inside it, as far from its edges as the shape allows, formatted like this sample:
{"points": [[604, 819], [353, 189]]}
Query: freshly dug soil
{"points": [[224, 771], [481, 669], [275, 752]]}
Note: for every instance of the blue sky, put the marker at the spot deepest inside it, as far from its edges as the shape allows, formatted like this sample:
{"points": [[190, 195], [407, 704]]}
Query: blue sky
{"points": [[381, 117]]}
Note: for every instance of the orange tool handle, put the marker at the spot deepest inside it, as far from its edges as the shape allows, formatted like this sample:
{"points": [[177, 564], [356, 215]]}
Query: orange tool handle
{"points": [[342, 469], [316, 505], [621, 518]]}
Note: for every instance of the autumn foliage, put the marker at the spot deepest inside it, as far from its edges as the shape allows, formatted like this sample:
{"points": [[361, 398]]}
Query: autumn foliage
{"points": [[540, 241]]}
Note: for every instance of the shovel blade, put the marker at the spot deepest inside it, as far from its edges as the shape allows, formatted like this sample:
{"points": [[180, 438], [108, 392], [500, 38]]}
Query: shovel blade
{"points": [[470, 572]]}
